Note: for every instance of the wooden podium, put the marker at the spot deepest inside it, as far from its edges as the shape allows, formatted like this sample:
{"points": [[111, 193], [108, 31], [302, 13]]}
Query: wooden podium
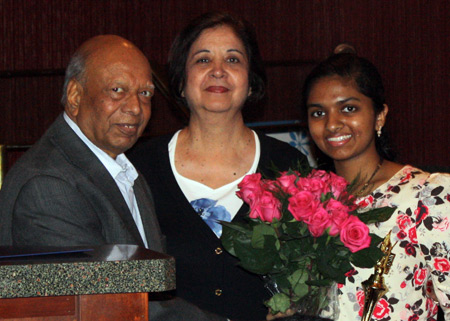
{"points": [[91, 283]]}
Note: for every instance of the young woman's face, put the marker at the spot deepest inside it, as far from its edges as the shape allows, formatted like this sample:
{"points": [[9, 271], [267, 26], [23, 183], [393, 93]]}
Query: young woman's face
{"points": [[341, 120]]}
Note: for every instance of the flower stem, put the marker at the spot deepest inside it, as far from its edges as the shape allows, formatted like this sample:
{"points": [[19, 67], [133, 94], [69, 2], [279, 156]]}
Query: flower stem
{"points": [[277, 231]]}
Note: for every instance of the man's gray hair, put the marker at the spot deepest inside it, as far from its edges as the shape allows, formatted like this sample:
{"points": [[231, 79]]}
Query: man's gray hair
{"points": [[76, 69]]}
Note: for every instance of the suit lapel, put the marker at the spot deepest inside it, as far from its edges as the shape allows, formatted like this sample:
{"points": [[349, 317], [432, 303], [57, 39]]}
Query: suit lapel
{"points": [[81, 156], [146, 209]]}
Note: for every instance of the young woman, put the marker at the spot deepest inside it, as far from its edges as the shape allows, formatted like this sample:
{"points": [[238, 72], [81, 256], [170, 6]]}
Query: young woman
{"points": [[344, 98]]}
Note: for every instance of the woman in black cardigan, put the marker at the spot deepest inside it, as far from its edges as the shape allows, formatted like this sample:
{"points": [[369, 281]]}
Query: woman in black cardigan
{"points": [[214, 68]]}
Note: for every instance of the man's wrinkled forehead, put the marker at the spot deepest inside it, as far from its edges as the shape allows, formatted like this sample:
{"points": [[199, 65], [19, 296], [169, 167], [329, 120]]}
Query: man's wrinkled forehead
{"points": [[118, 57]]}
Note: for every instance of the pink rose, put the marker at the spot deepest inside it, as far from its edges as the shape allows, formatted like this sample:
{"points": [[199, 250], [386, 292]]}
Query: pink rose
{"points": [[287, 183], [266, 208], [351, 201], [360, 297], [401, 234], [318, 186], [421, 212], [443, 225], [412, 235], [302, 205], [318, 222], [338, 184], [269, 185], [410, 249], [355, 234], [420, 275], [314, 185], [403, 221], [406, 175], [339, 213], [365, 202], [441, 264], [431, 307], [321, 174], [382, 309], [350, 273], [250, 188]]}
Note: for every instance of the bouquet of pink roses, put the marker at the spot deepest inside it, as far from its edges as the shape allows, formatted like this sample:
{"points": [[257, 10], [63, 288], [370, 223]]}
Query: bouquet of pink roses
{"points": [[302, 233]]}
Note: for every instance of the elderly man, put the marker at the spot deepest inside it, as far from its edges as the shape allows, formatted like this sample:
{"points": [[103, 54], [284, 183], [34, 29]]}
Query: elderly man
{"points": [[75, 186]]}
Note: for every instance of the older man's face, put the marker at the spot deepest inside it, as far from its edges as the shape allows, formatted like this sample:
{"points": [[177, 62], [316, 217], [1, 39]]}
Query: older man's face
{"points": [[115, 103]]}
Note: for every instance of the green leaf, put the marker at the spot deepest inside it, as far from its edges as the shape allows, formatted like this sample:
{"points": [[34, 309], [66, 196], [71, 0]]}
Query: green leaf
{"points": [[233, 233], [281, 279], [333, 263], [297, 281], [326, 197], [259, 261], [375, 240], [366, 258], [318, 283], [381, 214], [293, 227], [259, 235], [280, 302], [296, 249], [240, 227]]}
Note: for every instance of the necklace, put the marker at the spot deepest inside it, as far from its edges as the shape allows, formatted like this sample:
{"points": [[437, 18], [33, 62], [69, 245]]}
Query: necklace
{"points": [[363, 189]]}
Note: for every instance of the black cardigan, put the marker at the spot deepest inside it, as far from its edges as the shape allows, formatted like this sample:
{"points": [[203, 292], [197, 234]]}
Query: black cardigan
{"points": [[207, 276]]}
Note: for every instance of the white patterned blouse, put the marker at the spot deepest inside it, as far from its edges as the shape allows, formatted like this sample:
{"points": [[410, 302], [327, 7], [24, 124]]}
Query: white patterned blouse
{"points": [[419, 276]]}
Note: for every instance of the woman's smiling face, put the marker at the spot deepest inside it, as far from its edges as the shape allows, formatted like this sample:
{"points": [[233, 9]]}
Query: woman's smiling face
{"points": [[341, 120], [217, 71]]}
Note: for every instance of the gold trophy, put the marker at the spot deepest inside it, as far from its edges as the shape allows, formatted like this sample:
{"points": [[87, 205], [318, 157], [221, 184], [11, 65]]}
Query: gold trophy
{"points": [[375, 287]]}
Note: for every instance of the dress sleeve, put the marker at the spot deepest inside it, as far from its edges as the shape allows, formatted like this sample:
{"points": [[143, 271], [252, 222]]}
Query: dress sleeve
{"points": [[433, 233]]}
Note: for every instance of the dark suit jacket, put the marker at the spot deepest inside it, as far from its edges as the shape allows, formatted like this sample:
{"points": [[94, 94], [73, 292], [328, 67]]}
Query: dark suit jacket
{"points": [[60, 194], [202, 266]]}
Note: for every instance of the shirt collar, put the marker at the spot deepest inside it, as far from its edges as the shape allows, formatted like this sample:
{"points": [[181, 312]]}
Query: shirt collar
{"points": [[114, 166]]}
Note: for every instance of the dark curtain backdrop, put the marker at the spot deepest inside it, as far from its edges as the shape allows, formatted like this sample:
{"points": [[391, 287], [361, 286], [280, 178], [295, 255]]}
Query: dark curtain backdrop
{"points": [[407, 39]]}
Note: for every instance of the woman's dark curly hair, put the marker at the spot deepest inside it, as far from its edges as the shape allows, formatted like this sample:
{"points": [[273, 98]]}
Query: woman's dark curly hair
{"points": [[348, 65], [182, 44]]}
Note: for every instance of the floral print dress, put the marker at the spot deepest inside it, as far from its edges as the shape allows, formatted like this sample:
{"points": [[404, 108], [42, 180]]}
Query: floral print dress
{"points": [[419, 276]]}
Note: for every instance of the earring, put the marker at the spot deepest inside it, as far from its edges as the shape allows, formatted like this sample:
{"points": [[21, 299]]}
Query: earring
{"points": [[379, 132]]}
